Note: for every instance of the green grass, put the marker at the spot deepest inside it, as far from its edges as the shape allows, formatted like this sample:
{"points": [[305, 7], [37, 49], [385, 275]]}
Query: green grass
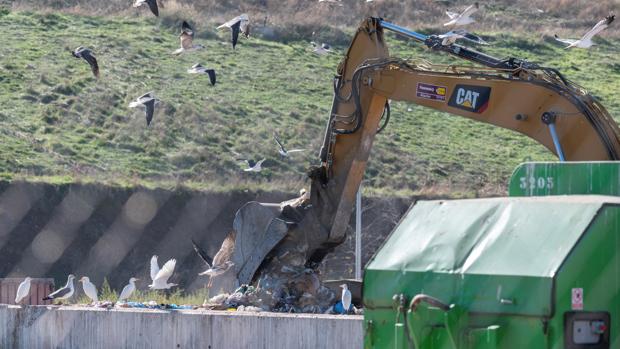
{"points": [[60, 123]]}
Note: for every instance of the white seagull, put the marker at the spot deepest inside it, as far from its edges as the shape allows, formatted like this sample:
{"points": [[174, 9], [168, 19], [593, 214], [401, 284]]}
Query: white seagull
{"points": [[152, 4], [187, 40], [254, 166], [128, 289], [321, 50], [199, 69], [89, 57], [345, 298], [221, 262], [89, 289], [23, 290], [147, 100], [450, 37], [586, 40], [463, 18], [160, 276], [62, 293], [282, 150], [236, 25]]}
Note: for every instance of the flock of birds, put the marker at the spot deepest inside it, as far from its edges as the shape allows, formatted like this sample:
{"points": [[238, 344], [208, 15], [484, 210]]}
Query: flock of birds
{"points": [[159, 276]]}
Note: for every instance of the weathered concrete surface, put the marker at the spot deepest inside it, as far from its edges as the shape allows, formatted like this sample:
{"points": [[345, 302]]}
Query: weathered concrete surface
{"points": [[78, 327]]}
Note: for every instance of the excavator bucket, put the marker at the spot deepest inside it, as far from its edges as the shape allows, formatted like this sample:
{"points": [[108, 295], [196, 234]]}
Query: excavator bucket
{"points": [[258, 230]]}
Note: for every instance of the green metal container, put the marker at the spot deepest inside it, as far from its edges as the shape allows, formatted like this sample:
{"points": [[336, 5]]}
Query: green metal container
{"points": [[515, 272]]}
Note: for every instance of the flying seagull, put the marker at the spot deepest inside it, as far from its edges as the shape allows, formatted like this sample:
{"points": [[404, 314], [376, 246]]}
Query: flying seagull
{"points": [[450, 37], [345, 298], [63, 293], [88, 55], [128, 289], [160, 276], [23, 290], [254, 166], [221, 262], [151, 3], [321, 50], [236, 25], [89, 289], [199, 69], [187, 39], [282, 150], [586, 40], [457, 19], [147, 100]]}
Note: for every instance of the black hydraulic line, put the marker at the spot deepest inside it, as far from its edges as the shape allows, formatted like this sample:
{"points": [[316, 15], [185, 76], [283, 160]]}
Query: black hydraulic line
{"points": [[386, 116]]}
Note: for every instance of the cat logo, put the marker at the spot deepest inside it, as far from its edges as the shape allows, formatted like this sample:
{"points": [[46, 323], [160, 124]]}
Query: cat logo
{"points": [[471, 98]]}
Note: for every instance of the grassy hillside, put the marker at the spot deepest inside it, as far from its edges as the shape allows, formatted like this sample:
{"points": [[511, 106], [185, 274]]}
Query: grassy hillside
{"points": [[58, 120]]}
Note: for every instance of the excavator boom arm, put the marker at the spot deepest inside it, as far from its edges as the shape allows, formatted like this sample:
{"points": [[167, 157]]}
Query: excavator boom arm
{"points": [[273, 240]]}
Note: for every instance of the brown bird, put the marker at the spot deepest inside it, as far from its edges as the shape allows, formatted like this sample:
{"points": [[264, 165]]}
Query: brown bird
{"points": [[187, 39], [89, 57], [221, 262]]}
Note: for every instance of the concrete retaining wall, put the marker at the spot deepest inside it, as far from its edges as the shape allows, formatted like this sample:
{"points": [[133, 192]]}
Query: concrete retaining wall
{"points": [[78, 327]]}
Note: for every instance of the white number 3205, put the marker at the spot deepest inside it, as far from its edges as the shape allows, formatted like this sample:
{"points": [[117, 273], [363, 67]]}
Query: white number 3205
{"points": [[536, 183]]}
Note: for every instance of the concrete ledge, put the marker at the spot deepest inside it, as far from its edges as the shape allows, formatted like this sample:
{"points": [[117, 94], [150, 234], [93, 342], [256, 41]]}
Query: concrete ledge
{"points": [[81, 327]]}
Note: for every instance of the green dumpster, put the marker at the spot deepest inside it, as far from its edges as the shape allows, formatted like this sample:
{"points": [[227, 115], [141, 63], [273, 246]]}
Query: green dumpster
{"points": [[513, 272]]}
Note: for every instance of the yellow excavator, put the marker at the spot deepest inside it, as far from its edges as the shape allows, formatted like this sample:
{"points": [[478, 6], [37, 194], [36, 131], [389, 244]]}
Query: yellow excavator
{"points": [[275, 241]]}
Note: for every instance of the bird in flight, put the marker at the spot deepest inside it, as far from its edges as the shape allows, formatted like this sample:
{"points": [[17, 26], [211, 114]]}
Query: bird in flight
{"points": [[89, 289], [321, 50], [187, 40], [128, 289], [254, 166], [199, 69], [221, 262], [586, 40], [151, 3], [160, 276], [463, 18], [450, 37], [147, 100], [236, 25], [23, 290], [62, 293], [88, 56], [282, 150]]}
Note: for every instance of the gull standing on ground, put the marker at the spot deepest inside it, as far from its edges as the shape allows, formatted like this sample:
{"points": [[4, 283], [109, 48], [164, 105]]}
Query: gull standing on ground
{"points": [[586, 40], [463, 18], [88, 56], [151, 3], [89, 289], [23, 290], [221, 262], [334, 2], [63, 293], [345, 298], [160, 276], [282, 150], [199, 69], [147, 100], [254, 166], [450, 37], [236, 25], [129, 288], [187, 40]]}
